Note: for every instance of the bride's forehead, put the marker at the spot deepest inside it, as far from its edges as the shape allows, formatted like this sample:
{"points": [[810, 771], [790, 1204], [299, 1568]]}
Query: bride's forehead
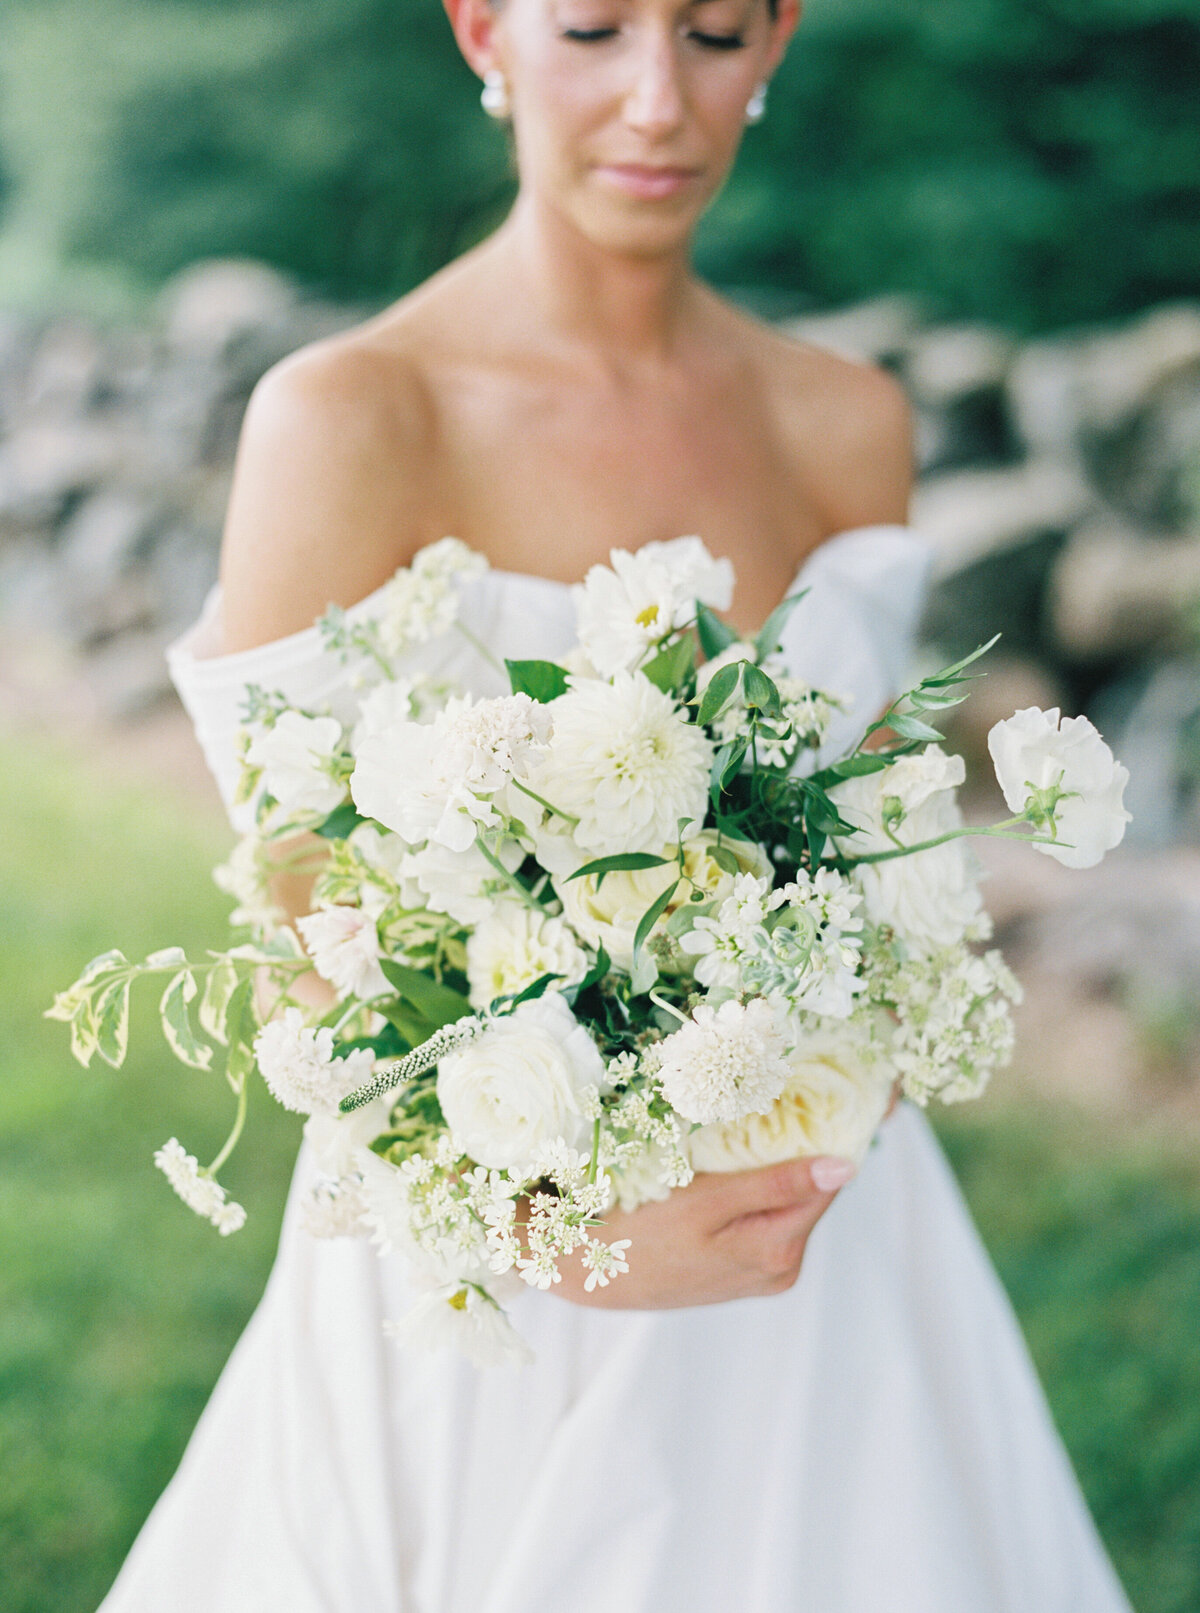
{"points": [[671, 7]]}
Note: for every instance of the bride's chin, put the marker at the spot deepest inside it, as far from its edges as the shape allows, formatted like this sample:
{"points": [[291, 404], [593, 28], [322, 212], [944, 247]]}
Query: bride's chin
{"points": [[635, 228]]}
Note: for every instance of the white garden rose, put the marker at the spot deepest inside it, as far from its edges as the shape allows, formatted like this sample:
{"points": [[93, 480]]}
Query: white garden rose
{"points": [[295, 756], [463, 884], [521, 1085], [607, 909], [932, 898], [836, 1094], [628, 606], [626, 763], [1066, 763], [343, 943], [436, 781], [514, 946]]}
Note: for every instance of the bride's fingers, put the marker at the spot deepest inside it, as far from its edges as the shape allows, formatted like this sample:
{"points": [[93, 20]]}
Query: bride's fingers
{"points": [[793, 1183]]}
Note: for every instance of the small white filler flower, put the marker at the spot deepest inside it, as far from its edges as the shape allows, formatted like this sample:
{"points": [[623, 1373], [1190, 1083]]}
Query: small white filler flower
{"points": [[199, 1191]]}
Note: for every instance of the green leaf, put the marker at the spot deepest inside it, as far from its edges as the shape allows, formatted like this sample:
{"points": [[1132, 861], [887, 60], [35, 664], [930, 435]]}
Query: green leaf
{"points": [[623, 862], [594, 976], [726, 764], [540, 680], [721, 689], [910, 727], [439, 1004], [83, 1032], [110, 1017], [177, 1022], [537, 988], [820, 811], [651, 917], [412, 1028], [342, 821], [219, 988], [670, 668], [771, 633], [725, 859], [643, 973], [860, 765], [715, 635], [759, 690]]}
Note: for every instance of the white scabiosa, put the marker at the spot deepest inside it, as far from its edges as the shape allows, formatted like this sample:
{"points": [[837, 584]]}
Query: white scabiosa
{"points": [[932, 897], [295, 755], [626, 607], [1061, 772], [836, 1093], [436, 781], [724, 1063], [199, 1191], [343, 943], [514, 946], [299, 1066], [524, 1083], [625, 762]]}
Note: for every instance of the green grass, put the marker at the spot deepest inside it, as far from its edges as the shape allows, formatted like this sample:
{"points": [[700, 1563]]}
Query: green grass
{"points": [[118, 1307]]}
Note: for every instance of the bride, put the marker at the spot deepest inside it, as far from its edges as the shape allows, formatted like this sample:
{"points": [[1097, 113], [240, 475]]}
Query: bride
{"points": [[809, 1394]]}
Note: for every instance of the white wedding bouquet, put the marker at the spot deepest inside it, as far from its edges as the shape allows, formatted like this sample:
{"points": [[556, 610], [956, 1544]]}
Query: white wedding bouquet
{"points": [[620, 924]]}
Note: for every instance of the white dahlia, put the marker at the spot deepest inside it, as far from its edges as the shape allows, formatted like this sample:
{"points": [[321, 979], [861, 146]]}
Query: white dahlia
{"points": [[626, 607], [624, 761]]}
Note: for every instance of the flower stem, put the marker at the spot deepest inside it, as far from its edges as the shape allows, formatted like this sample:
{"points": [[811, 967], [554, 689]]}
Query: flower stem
{"points": [[558, 812], [998, 831], [509, 877], [238, 1122], [481, 649], [662, 1002]]}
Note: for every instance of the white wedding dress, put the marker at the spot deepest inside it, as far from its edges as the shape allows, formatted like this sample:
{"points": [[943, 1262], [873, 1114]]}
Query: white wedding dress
{"points": [[872, 1441]]}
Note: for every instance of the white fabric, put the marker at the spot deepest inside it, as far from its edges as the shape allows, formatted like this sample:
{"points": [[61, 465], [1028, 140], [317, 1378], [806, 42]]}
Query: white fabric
{"points": [[872, 1441]]}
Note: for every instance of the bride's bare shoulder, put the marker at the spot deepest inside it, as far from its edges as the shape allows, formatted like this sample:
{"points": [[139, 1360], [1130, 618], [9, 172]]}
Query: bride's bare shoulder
{"points": [[333, 483], [847, 423]]}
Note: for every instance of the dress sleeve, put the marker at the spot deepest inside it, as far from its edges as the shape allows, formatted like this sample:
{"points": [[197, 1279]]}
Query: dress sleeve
{"points": [[854, 632]]}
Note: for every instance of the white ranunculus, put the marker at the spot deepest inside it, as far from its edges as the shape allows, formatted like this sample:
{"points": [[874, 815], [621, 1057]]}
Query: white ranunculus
{"points": [[834, 1099], [931, 898], [298, 1065], [607, 909], [294, 754], [521, 1085], [1035, 752], [461, 883], [344, 946], [624, 760], [514, 946], [436, 781], [626, 607]]}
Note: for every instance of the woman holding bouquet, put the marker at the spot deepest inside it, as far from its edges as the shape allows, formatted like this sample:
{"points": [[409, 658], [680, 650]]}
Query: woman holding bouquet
{"points": [[808, 1392]]}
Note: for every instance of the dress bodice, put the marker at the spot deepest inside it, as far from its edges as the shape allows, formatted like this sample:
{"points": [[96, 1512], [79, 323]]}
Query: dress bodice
{"points": [[851, 635]]}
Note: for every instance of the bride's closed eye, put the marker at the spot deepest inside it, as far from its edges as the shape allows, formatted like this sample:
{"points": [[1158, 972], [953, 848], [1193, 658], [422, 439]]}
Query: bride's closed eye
{"points": [[592, 36]]}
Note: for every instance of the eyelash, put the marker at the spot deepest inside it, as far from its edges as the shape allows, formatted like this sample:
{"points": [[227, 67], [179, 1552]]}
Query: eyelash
{"points": [[594, 36]]}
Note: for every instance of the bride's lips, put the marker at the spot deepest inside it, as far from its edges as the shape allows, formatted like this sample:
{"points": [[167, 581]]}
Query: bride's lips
{"points": [[647, 183]]}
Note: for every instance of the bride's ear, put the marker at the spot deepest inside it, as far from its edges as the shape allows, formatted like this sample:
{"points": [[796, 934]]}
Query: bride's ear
{"points": [[474, 25]]}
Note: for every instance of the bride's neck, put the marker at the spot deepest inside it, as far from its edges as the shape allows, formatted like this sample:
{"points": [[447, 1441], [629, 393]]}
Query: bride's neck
{"points": [[624, 307]]}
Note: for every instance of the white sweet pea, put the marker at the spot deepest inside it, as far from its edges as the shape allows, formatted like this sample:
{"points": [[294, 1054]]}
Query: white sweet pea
{"points": [[295, 756], [520, 1085], [461, 883], [932, 897], [343, 943], [626, 607], [1061, 773]]}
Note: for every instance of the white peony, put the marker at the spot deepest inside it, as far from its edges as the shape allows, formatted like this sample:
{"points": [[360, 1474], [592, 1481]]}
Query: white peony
{"points": [[461, 883], [514, 946], [299, 1066], [624, 761], [625, 608], [836, 1094], [435, 781], [725, 1062], [294, 755], [1067, 764], [931, 898], [344, 946], [607, 909], [521, 1085]]}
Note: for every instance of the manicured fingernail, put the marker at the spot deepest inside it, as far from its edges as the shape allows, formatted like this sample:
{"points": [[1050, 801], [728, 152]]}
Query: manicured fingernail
{"points": [[830, 1174]]}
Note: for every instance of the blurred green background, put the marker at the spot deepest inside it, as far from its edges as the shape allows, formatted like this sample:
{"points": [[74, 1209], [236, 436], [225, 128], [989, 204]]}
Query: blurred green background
{"points": [[1036, 162], [1031, 163]]}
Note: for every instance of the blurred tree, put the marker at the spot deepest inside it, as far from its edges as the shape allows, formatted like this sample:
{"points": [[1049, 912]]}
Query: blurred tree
{"points": [[1030, 161]]}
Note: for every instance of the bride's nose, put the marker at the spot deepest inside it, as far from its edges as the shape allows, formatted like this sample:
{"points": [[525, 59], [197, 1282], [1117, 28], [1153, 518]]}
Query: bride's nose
{"points": [[655, 103]]}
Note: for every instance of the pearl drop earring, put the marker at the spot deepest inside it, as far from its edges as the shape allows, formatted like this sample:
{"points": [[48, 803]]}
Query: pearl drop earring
{"points": [[756, 106], [494, 96]]}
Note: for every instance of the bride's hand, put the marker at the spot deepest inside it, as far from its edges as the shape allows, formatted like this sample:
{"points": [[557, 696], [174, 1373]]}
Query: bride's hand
{"points": [[724, 1236]]}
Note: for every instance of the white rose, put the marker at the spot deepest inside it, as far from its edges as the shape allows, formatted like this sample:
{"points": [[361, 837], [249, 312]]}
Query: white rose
{"points": [[1034, 752], [514, 946], [607, 909], [932, 897], [295, 755], [520, 1085], [344, 946], [835, 1097]]}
